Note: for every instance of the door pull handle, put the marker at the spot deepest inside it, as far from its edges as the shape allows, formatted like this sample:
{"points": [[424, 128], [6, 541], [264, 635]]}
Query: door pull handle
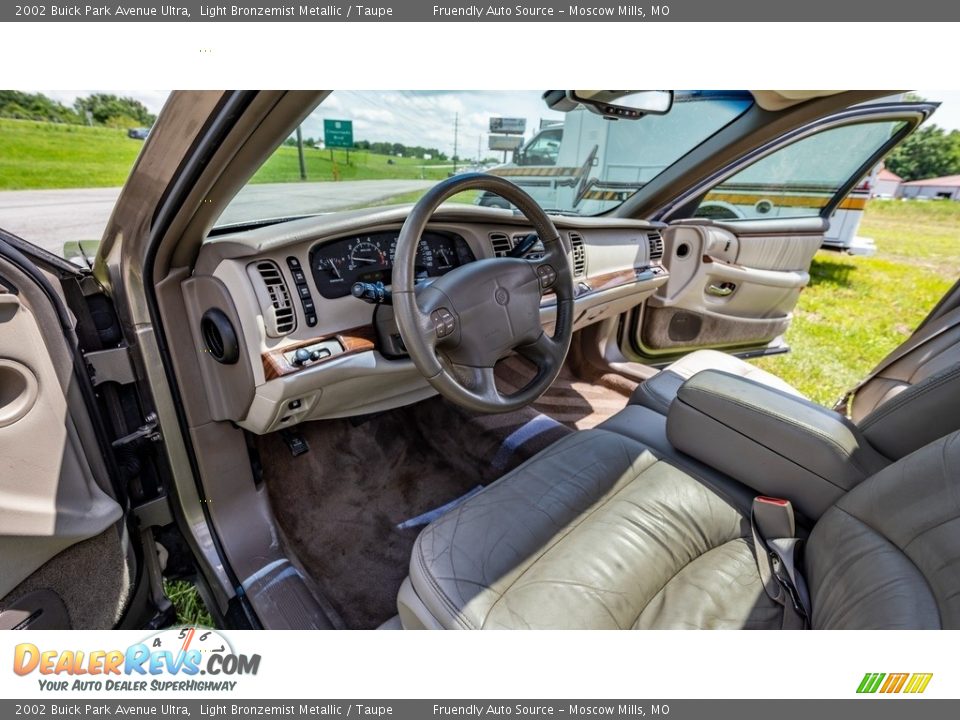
{"points": [[722, 290]]}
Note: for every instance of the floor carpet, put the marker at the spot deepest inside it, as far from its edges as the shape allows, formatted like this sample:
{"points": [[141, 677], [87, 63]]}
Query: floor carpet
{"points": [[570, 400], [339, 504]]}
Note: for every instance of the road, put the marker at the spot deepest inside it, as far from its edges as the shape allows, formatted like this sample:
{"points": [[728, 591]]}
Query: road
{"points": [[50, 218]]}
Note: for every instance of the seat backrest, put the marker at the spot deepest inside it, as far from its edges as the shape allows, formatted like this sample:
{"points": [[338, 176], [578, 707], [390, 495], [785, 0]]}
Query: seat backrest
{"points": [[913, 400], [887, 554]]}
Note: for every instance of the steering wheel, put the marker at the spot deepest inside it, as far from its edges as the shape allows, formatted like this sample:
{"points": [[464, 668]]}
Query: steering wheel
{"points": [[457, 327]]}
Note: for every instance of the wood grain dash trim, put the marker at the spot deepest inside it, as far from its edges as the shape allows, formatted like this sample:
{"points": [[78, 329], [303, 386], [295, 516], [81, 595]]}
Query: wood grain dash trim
{"points": [[601, 282], [608, 281], [355, 340]]}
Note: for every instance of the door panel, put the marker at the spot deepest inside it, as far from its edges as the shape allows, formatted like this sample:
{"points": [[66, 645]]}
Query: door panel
{"points": [[738, 265], [730, 285], [54, 488]]}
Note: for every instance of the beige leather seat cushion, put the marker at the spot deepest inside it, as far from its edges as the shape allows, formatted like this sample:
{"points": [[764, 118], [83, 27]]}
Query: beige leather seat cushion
{"points": [[659, 391], [595, 532]]}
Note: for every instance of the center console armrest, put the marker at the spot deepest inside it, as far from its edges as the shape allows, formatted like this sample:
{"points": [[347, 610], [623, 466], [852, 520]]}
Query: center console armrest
{"points": [[778, 444]]}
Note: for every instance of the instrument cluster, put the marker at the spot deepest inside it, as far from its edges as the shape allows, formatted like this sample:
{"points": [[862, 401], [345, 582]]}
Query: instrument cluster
{"points": [[369, 258]]}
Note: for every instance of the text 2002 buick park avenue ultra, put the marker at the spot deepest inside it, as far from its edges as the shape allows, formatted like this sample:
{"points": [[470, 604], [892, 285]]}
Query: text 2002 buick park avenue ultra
{"points": [[277, 399]]}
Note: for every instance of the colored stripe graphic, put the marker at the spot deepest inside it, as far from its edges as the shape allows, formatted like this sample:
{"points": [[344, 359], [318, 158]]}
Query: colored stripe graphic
{"points": [[810, 201], [918, 682], [606, 195], [536, 171], [893, 683], [870, 682]]}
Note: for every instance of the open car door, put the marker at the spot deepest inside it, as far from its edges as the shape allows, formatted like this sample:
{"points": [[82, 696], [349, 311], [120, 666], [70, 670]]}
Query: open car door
{"points": [[68, 558], [740, 244]]}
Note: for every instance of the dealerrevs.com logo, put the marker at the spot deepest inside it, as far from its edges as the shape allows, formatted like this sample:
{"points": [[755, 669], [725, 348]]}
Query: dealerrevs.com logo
{"points": [[171, 660]]}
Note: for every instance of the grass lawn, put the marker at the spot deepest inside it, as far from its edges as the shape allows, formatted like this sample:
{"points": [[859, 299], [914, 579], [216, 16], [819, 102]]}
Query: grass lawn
{"points": [[854, 312], [39, 155], [186, 600], [857, 309], [284, 166]]}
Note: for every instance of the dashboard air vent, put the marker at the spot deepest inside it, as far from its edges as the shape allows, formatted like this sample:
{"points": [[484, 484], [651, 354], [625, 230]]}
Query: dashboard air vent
{"points": [[284, 319], [579, 255], [501, 244], [656, 245]]}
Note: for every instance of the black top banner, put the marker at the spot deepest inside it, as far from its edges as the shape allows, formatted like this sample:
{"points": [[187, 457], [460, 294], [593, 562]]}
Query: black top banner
{"points": [[527, 11]]}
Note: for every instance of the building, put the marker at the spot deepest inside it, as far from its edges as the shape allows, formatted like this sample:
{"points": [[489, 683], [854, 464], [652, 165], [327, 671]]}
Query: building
{"points": [[939, 188], [885, 184]]}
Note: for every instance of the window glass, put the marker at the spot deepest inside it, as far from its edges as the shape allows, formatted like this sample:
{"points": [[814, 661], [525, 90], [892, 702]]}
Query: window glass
{"points": [[63, 158], [544, 149], [395, 144], [800, 179]]}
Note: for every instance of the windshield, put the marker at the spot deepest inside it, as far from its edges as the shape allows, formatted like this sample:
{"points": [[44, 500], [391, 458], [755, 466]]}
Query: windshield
{"points": [[362, 149]]}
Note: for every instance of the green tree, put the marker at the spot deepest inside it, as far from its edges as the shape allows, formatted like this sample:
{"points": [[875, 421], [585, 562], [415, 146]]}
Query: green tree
{"points": [[386, 148], [114, 111], [34, 106], [929, 152]]}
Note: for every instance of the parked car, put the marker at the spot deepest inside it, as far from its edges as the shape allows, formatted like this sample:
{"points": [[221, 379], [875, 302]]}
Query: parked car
{"points": [[138, 133], [365, 418]]}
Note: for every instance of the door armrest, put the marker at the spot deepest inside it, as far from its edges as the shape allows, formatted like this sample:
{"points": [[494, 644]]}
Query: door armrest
{"points": [[778, 444]]}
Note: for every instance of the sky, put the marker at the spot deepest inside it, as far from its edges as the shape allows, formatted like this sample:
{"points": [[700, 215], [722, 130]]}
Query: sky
{"points": [[428, 118]]}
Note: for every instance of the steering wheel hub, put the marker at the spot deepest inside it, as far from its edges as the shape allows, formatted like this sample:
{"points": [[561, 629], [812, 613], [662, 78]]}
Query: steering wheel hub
{"points": [[459, 326]]}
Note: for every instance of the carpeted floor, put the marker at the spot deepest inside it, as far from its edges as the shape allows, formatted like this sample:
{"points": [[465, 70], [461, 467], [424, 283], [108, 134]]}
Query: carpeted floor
{"points": [[571, 400], [93, 578], [339, 503]]}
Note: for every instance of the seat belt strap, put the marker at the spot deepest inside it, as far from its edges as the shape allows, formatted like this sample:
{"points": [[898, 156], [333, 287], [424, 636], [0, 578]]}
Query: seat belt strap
{"points": [[776, 545], [924, 334]]}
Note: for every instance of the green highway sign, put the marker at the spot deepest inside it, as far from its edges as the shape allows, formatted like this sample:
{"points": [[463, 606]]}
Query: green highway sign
{"points": [[338, 133]]}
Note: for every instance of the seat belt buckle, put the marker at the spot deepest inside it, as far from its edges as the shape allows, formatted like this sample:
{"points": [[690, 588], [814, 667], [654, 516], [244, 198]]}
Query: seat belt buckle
{"points": [[774, 517]]}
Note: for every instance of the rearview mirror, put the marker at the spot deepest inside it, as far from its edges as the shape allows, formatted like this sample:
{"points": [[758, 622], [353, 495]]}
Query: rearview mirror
{"points": [[613, 104]]}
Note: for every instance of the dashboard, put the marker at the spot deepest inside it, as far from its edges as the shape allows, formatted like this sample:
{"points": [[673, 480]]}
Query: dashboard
{"points": [[369, 258], [302, 347]]}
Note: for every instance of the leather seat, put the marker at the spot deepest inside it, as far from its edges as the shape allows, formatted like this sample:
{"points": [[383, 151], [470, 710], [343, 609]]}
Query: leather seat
{"points": [[599, 531], [910, 402], [659, 391]]}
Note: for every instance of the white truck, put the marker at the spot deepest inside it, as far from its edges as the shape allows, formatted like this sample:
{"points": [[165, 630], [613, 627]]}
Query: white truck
{"points": [[586, 164]]}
